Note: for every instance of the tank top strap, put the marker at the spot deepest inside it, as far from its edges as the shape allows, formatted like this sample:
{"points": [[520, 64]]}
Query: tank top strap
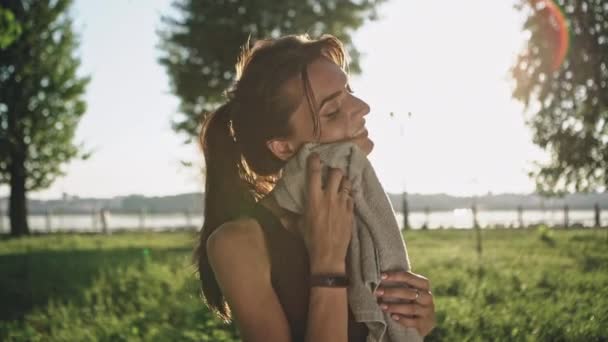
{"points": [[269, 222]]}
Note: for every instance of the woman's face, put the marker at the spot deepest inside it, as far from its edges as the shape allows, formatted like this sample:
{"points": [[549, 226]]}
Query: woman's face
{"points": [[341, 113]]}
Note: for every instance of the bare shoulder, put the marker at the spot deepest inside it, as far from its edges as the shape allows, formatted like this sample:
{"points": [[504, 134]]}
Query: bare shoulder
{"points": [[239, 229], [243, 235], [239, 258], [237, 241]]}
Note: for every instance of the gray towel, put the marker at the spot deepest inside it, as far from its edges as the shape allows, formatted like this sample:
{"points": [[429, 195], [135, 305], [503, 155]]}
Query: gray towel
{"points": [[376, 245]]}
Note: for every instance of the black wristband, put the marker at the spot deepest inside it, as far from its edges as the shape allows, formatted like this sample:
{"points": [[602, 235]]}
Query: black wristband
{"points": [[329, 280]]}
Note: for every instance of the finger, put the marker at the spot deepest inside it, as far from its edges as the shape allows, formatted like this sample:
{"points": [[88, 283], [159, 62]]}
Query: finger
{"points": [[409, 278], [345, 188], [350, 204], [405, 321], [345, 183], [314, 175], [334, 179], [415, 310], [405, 293], [397, 293]]}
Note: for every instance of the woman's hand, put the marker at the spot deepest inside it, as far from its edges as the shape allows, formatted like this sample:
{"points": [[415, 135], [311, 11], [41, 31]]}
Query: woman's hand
{"points": [[327, 222], [407, 297]]}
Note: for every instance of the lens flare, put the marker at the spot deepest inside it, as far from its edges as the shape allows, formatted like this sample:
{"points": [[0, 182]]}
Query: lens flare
{"points": [[555, 29]]}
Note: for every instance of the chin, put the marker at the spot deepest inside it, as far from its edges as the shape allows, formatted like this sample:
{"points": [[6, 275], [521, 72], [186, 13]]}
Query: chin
{"points": [[370, 148], [366, 145]]}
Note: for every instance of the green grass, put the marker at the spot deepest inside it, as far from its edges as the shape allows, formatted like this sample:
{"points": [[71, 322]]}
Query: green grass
{"points": [[528, 285]]}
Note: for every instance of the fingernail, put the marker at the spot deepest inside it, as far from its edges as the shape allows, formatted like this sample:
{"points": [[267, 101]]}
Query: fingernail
{"points": [[384, 306], [395, 317], [379, 292], [384, 276]]}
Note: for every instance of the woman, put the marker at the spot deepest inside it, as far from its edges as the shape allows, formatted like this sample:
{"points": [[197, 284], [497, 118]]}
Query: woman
{"points": [[255, 259]]}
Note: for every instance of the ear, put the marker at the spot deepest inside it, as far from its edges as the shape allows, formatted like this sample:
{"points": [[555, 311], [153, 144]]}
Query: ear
{"points": [[281, 148]]}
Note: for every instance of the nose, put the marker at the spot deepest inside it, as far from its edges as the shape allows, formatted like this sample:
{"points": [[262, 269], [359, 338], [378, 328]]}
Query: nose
{"points": [[364, 108], [360, 111], [367, 108]]}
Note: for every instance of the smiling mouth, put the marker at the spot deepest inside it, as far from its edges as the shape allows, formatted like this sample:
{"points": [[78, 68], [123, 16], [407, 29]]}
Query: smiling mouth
{"points": [[362, 132]]}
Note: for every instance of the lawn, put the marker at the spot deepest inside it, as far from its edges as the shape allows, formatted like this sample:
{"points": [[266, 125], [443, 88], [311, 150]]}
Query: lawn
{"points": [[527, 285]]}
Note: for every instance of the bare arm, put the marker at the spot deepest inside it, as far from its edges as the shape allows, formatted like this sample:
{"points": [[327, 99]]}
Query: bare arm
{"points": [[238, 255], [327, 227], [328, 310], [241, 265]]}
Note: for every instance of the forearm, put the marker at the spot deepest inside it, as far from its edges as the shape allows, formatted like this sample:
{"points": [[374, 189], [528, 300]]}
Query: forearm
{"points": [[327, 310]]}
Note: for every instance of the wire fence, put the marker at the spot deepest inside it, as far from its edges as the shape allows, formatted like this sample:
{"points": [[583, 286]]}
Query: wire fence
{"points": [[106, 221]]}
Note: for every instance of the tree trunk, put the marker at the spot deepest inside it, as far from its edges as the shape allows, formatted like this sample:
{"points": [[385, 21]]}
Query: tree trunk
{"points": [[17, 203]]}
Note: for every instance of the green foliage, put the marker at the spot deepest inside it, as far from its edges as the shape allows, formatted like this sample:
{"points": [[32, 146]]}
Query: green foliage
{"points": [[525, 289], [546, 235], [201, 42], [571, 100], [9, 28], [135, 287], [41, 94], [142, 286]]}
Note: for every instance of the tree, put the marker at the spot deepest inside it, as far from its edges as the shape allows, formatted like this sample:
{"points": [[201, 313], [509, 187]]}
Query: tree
{"points": [[201, 43], [40, 102], [563, 75], [9, 28]]}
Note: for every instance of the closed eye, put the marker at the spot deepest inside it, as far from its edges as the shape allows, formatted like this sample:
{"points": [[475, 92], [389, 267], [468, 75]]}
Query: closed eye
{"points": [[333, 114]]}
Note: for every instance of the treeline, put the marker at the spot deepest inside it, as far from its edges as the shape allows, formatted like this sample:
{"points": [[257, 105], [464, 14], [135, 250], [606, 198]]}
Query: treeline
{"points": [[440, 202], [193, 203]]}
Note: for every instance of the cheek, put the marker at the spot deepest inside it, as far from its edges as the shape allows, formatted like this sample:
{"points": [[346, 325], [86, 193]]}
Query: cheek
{"points": [[335, 130], [303, 131]]}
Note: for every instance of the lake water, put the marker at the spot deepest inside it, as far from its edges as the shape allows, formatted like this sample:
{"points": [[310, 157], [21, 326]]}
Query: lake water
{"points": [[463, 218], [459, 218]]}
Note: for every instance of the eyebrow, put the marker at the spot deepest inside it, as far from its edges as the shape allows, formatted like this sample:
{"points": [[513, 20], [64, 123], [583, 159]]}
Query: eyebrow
{"points": [[329, 98], [334, 94]]}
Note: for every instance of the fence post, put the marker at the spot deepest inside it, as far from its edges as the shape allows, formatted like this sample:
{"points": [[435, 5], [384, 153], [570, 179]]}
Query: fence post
{"points": [[47, 219], [598, 221], [566, 218], [103, 218], [474, 212], [93, 219], [427, 212], [476, 226], [405, 209], [520, 216], [142, 218]]}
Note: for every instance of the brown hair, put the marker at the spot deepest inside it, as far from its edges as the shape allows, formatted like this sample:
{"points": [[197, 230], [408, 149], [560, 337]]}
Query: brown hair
{"points": [[240, 169]]}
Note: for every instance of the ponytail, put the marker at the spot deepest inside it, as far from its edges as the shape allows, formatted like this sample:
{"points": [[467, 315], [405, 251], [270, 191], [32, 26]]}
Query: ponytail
{"points": [[226, 196]]}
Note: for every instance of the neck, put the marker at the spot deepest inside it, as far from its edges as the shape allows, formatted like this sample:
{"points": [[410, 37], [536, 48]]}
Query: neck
{"points": [[287, 218]]}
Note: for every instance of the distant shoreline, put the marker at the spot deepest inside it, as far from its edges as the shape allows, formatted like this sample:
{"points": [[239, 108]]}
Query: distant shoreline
{"points": [[193, 203]]}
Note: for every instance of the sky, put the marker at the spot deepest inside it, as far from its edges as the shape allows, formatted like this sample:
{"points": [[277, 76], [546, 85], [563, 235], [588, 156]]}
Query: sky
{"points": [[441, 66]]}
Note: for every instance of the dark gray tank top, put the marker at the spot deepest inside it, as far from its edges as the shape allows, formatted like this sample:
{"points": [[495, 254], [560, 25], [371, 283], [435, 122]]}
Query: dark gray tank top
{"points": [[290, 273]]}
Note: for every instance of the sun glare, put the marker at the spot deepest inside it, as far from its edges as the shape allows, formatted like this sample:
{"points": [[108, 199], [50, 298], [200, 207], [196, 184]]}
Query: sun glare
{"points": [[447, 83]]}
